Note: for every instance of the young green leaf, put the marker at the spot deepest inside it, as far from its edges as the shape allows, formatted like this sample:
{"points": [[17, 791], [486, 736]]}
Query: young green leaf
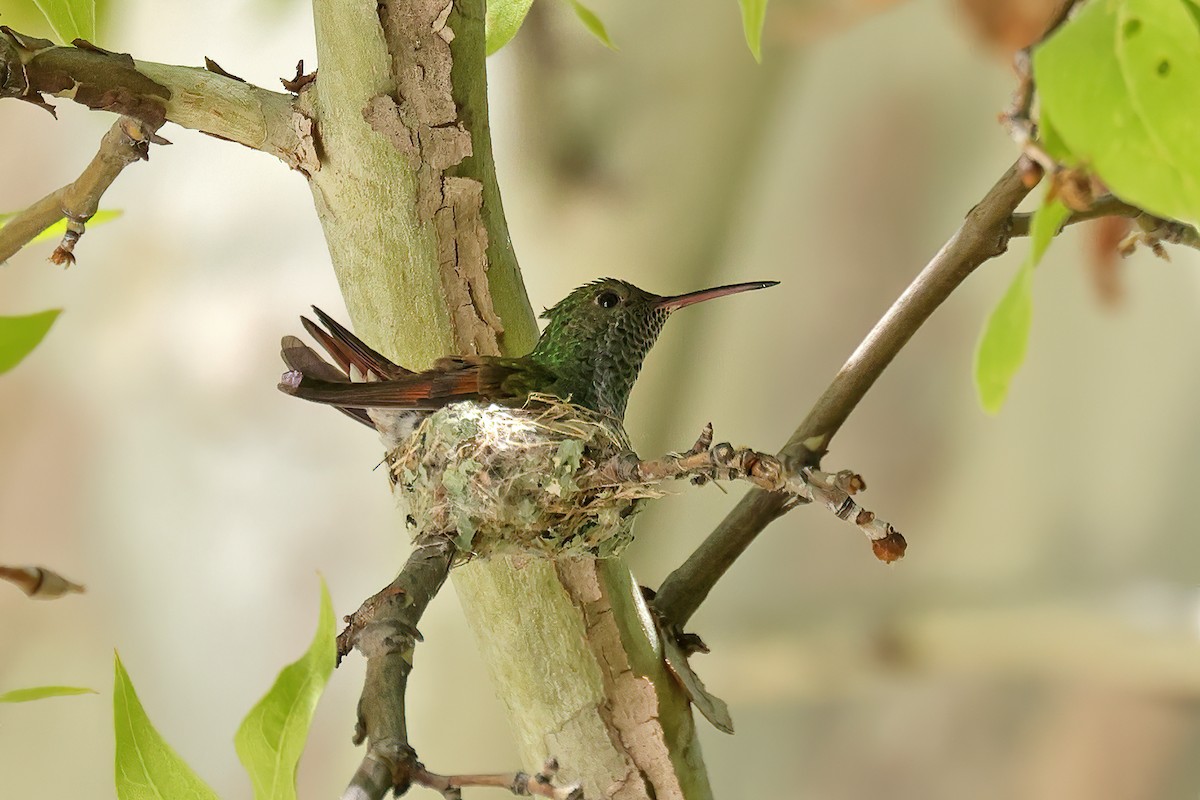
{"points": [[754, 15], [70, 19], [271, 737], [592, 23], [19, 335], [56, 230], [1112, 79], [147, 768], [1002, 346], [503, 20], [40, 692]]}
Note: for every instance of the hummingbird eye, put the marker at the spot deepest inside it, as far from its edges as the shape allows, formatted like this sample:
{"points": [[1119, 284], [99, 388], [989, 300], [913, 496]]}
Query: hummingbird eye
{"points": [[608, 299]]}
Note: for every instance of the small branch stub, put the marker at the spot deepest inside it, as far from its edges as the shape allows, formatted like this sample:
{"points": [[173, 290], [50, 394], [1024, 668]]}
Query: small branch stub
{"points": [[125, 143], [39, 582]]}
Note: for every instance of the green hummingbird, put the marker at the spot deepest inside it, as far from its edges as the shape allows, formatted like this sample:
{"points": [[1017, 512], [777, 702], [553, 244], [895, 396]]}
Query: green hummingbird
{"points": [[589, 354]]}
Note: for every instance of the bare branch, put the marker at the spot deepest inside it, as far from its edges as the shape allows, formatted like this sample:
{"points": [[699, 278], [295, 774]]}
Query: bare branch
{"points": [[521, 784], [384, 631], [1152, 227], [32, 69], [127, 141], [706, 462], [983, 235]]}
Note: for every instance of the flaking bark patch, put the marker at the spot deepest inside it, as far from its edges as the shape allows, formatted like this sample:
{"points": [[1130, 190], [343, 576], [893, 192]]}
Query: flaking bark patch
{"points": [[99, 79], [462, 253], [631, 713], [423, 124], [304, 157]]}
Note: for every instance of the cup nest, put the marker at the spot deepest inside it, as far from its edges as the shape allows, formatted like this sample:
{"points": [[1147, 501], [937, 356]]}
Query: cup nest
{"points": [[518, 481]]}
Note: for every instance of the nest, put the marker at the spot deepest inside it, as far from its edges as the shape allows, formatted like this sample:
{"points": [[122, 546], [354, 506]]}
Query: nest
{"points": [[517, 481]]}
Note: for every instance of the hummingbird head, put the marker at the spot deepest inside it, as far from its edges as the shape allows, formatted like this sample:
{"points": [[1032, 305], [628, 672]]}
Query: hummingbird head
{"points": [[598, 336]]}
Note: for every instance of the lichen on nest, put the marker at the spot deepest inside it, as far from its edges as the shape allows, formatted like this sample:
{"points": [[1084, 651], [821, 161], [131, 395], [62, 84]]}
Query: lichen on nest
{"points": [[518, 481]]}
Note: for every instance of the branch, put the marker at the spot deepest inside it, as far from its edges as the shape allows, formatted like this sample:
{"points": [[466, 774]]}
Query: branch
{"points": [[127, 141], [384, 630], [521, 784], [1153, 229], [32, 69], [707, 462], [983, 235]]}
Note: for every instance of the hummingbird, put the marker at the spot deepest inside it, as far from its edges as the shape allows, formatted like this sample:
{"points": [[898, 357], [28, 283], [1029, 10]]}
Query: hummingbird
{"points": [[589, 354]]}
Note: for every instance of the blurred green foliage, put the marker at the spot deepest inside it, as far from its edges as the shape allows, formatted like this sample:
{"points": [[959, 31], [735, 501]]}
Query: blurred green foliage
{"points": [[1005, 336], [19, 335]]}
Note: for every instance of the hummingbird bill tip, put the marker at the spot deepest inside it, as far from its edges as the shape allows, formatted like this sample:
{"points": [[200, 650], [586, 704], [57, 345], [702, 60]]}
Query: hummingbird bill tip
{"points": [[681, 300]]}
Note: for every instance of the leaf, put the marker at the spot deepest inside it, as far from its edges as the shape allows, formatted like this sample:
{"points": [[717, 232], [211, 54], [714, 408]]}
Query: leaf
{"points": [[70, 19], [1005, 337], [19, 335], [503, 20], [41, 692], [593, 24], [1113, 79], [56, 230], [271, 737], [146, 766], [714, 709], [754, 16]]}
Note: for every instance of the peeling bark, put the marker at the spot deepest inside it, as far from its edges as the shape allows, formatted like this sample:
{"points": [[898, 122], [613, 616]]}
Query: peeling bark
{"points": [[422, 122], [632, 722], [97, 78]]}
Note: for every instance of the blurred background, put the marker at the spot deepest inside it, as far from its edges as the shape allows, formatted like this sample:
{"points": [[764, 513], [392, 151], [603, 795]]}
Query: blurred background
{"points": [[1041, 639]]}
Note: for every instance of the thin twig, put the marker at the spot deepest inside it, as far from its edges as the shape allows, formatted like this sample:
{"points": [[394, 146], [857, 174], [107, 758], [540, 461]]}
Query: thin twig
{"points": [[707, 462], [1164, 230], [125, 142], [521, 784], [983, 235]]}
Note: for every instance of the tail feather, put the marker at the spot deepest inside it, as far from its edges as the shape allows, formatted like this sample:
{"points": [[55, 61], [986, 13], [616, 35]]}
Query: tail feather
{"points": [[347, 349], [390, 386]]}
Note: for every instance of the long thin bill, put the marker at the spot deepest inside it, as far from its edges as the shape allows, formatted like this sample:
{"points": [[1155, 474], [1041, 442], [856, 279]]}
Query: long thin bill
{"points": [[691, 298]]}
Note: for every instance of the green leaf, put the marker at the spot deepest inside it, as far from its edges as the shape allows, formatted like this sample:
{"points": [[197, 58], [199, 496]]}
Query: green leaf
{"points": [[593, 23], [70, 19], [271, 737], [19, 335], [1005, 338], [56, 230], [754, 15], [503, 20], [40, 692], [1114, 80], [147, 768]]}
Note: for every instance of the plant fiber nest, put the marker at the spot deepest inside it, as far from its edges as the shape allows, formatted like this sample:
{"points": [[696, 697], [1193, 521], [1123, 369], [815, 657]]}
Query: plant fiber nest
{"points": [[518, 481]]}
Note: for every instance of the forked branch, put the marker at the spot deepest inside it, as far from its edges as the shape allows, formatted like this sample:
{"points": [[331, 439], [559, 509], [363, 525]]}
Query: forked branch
{"points": [[127, 141], [384, 630]]}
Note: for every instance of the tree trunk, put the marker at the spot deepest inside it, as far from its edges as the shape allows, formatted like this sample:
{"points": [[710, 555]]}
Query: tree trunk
{"points": [[417, 236]]}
